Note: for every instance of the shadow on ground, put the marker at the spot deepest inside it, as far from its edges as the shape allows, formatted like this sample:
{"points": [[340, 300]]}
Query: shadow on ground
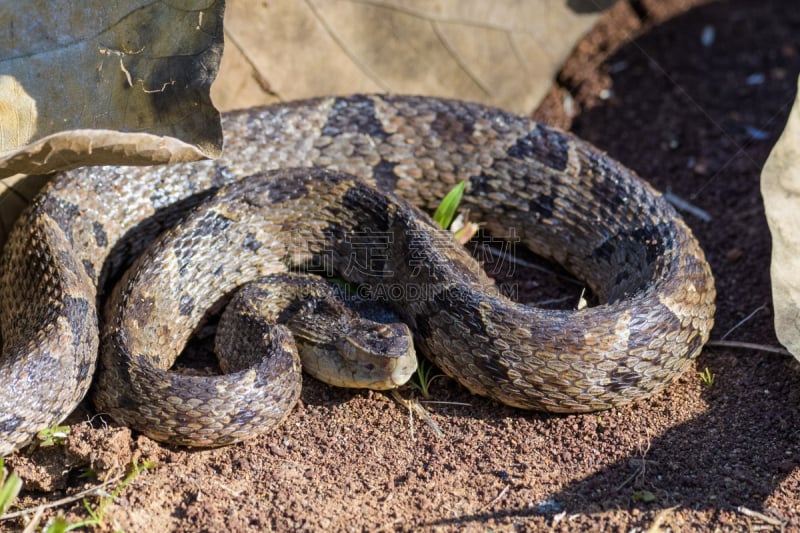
{"points": [[694, 105]]}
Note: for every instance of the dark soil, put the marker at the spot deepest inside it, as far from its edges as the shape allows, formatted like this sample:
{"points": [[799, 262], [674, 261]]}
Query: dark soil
{"points": [[695, 119]]}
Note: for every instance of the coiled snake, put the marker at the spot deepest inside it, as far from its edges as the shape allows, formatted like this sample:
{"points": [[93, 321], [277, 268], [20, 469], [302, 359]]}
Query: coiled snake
{"points": [[564, 199]]}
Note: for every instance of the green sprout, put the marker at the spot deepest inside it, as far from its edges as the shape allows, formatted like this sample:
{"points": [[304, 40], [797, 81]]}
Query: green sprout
{"points": [[97, 513], [446, 211], [53, 435], [10, 485], [707, 377], [424, 378]]}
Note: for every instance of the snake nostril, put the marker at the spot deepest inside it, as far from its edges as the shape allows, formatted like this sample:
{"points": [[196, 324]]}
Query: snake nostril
{"points": [[384, 331]]}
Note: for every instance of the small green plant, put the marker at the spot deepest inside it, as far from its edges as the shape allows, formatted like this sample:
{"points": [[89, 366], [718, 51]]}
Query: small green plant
{"points": [[53, 435], [10, 486], [445, 216], [446, 211], [707, 377], [644, 496], [59, 525], [97, 513], [424, 378]]}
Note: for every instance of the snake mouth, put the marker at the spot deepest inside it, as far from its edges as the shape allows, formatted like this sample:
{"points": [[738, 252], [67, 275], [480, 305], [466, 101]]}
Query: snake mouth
{"points": [[404, 368], [385, 373]]}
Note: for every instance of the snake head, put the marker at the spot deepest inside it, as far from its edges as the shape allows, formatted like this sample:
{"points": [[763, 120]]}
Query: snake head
{"points": [[367, 355]]}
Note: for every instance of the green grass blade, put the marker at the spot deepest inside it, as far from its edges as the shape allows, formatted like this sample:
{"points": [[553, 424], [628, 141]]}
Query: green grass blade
{"points": [[9, 491], [446, 211], [59, 525]]}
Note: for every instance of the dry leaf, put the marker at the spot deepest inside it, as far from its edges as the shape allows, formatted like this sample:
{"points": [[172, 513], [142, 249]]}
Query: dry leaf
{"points": [[503, 52], [101, 82], [780, 187]]}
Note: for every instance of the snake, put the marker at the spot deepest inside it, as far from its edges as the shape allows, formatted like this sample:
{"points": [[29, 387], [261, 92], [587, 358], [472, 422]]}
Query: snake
{"points": [[343, 184]]}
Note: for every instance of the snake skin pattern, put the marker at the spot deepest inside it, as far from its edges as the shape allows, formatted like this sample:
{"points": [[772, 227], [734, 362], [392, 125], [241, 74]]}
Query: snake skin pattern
{"points": [[563, 198]]}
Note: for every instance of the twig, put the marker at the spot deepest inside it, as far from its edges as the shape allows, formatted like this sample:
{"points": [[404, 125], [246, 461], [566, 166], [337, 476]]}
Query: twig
{"points": [[639, 472], [683, 205], [415, 407], [551, 301], [761, 516], [748, 346], [497, 498], [439, 402], [743, 321], [655, 527], [34, 523], [96, 490]]}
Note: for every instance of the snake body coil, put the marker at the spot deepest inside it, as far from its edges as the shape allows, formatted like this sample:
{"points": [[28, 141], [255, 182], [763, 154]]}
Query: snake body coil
{"points": [[560, 196]]}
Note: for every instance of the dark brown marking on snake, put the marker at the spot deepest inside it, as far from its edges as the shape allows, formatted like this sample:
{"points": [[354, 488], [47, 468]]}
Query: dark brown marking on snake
{"points": [[186, 305], [100, 236], [62, 212], [88, 267], [695, 345], [251, 242], [605, 183], [623, 378], [354, 114], [543, 144], [282, 190], [480, 185], [214, 224], [542, 205], [384, 175], [11, 423], [459, 126], [357, 197], [78, 311], [453, 300], [649, 239]]}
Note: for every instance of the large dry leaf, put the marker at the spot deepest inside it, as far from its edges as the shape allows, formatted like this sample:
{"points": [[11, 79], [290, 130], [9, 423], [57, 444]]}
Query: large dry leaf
{"points": [[780, 187], [500, 52], [102, 81]]}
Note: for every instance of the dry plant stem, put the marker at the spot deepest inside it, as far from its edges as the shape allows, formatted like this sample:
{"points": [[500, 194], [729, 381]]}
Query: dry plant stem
{"points": [[34, 523], [497, 498], [748, 346], [743, 321], [655, 527], [683, 205], [639, 473], [761, 516], [97, 490], [415, 407], [437, 402]]}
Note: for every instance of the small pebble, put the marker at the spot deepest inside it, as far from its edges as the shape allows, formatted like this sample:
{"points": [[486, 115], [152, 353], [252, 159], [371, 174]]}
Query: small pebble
{"points": [[619, 66], [755, 79], [277, 450], [734, 254], [708, 35], [569, 105], [756, 134], [548, 506], [700, 166]]}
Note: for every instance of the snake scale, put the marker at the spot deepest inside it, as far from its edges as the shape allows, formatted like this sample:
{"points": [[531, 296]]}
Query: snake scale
{"points": [[564, 199]]}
